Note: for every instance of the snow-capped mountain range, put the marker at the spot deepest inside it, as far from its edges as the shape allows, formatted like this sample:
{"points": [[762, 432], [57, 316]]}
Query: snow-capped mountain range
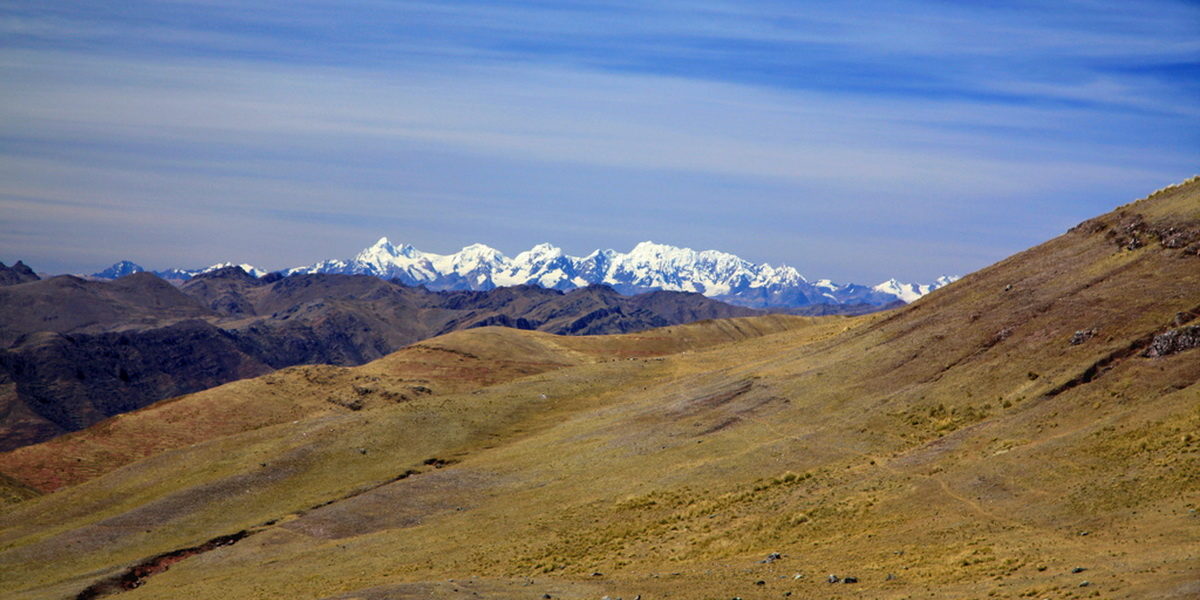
{"points": [[647, 267], [126, 267], [909, 292]]}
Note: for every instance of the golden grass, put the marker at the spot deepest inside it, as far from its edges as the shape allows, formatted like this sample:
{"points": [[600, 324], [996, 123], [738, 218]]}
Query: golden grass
{"points": [[961, 447]]}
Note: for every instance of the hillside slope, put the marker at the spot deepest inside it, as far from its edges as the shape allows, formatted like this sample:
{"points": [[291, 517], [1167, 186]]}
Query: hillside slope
{"points": [[74, 352], [1029, 431], [457, 362]]}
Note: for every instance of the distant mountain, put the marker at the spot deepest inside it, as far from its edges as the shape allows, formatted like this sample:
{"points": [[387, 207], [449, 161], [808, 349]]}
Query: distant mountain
{"points": [[125, 267], [18, 273], [909, 292], [1031, 431], [647, 267], [74, 351], [119, 269]]}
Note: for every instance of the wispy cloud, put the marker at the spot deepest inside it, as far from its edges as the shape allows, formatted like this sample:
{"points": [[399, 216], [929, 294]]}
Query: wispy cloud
{"points": [[777, 130]]}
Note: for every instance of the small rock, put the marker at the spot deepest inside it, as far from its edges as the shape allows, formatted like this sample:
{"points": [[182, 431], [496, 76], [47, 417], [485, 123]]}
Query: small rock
{"points": [[833, 578], [760, 582], [1082, 336], [772, 557], [889, 577], [850, 580], [597, 574], [1078, 570], [546, 596], [1085, 583]]}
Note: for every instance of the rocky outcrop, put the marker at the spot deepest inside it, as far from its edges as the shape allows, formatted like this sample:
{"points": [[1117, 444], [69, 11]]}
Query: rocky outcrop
{"points": [[1174, 342], [1130, 231], [18, 273]]}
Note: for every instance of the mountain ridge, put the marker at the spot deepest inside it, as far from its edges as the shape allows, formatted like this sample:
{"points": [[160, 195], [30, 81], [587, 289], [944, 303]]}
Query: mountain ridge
{"points": [[647, 267], [75, 351], [1027, 433]]}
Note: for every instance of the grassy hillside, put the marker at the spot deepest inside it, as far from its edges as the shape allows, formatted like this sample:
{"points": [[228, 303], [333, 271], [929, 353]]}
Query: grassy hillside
{"points": [[1032, 431], [460, 361]]}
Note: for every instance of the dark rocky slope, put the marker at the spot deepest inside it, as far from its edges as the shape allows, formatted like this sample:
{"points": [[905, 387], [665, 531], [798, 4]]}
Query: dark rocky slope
{"points": [[18, 273], [76, 352]]}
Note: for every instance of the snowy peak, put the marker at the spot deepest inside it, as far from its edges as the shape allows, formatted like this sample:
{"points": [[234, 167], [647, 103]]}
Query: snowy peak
{"points": [[910, 292], [647, 266], [250, 269], [120, 269], [126, 267]]}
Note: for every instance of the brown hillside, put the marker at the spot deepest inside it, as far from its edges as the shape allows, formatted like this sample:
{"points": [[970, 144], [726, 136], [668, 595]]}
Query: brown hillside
{"points": [[1028, 432], [74, 352], [456, 362]]}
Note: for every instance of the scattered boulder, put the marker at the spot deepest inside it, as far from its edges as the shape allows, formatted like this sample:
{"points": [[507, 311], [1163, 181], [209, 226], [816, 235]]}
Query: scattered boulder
{"points": [[1173, 342], [1082, 336], [354, 404], [1130, 233], [1133, 232]]}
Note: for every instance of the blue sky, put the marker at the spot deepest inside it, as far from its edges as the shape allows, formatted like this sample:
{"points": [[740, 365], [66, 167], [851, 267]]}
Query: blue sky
{"points": [[855, 141]]}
